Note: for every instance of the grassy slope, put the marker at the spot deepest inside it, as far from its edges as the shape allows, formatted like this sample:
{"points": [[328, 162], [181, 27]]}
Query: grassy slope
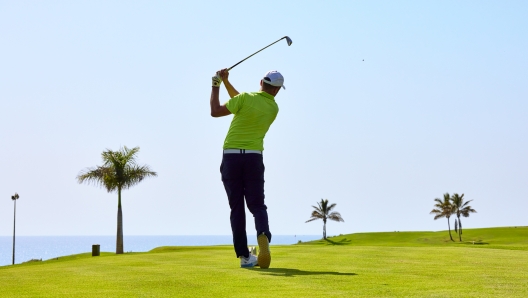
{"points": [[504, 238], [370, 265]]}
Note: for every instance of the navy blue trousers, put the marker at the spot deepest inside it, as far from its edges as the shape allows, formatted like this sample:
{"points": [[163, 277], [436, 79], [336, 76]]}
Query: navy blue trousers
{"points": [[243, 178]]}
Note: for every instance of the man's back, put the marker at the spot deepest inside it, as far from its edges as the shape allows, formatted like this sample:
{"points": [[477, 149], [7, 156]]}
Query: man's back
{"points": [[254, 113]]}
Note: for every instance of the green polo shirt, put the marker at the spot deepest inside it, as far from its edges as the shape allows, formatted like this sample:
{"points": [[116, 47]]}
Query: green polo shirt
{"points": [[254, 113]]}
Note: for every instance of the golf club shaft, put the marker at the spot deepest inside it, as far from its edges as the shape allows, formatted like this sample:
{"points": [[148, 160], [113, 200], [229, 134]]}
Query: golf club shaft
{"points": [[255, 53]]}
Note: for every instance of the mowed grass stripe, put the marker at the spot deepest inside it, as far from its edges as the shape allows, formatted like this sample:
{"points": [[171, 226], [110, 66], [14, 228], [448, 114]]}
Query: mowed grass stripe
{"points": [[299, 271]]}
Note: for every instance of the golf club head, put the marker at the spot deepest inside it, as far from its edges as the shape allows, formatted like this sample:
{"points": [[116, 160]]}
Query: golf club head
{"points": [[288, 40]]}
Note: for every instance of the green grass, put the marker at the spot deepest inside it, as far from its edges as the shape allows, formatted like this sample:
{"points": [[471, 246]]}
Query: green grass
{"points": [[404, 264], [503, 238]]}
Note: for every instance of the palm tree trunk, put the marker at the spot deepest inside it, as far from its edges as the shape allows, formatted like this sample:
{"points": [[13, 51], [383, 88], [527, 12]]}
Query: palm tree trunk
{"points": [[460, 226], [459, 230], [119, 240], [324, 230], [449, 227]]}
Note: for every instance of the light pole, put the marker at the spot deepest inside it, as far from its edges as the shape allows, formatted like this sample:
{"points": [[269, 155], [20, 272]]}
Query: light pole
{"points": [[14, 198]]}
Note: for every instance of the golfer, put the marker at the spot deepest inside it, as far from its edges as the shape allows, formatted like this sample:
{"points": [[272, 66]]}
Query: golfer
{"points": [[242, 165]]}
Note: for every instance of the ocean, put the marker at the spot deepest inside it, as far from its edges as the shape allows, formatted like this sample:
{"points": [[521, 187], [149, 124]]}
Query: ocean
{"points": [[48, 247]]}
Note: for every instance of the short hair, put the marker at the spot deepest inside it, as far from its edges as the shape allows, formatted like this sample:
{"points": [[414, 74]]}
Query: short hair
{"points": [[267, 86]]}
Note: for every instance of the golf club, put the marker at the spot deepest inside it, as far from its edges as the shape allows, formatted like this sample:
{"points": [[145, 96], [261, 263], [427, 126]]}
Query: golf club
{"points": [[288, 40]]}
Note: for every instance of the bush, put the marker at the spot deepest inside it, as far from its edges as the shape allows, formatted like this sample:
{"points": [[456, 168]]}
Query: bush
{"points": [[32, 260]]}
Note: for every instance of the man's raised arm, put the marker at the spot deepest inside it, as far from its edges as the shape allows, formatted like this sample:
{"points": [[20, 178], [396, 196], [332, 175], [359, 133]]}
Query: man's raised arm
{"points": [[218, 110], [224, 75]]}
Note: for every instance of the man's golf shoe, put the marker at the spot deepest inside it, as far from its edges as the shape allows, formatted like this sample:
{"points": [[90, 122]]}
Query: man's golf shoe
{"points": [[248, 262], [264, 256]]}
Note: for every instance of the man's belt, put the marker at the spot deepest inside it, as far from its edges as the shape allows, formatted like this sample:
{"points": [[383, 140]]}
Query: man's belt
{"points": [[241, 151]]}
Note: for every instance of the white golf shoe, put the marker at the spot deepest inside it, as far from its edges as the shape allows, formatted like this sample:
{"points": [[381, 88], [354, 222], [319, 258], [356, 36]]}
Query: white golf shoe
{"points": [[248, 262]]}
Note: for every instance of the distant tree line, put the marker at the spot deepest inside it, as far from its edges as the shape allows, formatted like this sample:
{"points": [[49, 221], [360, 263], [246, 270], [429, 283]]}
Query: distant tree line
{"points": [[452, 205]]}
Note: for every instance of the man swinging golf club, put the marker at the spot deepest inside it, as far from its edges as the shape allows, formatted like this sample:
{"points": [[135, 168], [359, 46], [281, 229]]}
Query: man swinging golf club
{"points": [[242, 165]]}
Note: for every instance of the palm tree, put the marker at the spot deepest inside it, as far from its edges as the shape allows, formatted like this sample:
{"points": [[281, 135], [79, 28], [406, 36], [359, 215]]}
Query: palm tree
{"points": [[461, 208], [323, 211], [444, 209], [119, 171]]}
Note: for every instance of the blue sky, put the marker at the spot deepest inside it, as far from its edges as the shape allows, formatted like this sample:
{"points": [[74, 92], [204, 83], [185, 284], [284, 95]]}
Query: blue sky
{"points": [[389, 104]]}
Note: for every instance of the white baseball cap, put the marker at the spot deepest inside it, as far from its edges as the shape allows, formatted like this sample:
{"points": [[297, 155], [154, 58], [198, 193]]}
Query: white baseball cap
{"points": [[274, 78]]}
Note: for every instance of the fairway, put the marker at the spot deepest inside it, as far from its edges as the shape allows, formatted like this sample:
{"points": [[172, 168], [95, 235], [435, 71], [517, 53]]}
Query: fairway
{"points": [[308, 270]]}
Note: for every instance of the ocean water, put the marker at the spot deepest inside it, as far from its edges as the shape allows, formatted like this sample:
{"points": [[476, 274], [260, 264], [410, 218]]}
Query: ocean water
{"points": [[48, 247]]}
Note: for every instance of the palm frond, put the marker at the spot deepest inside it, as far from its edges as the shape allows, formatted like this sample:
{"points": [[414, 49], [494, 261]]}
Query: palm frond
{"points": [[435, 211], [466, 211], [119, 170], [335, 216], [465, 204], [439, 203], [90, 175], [136, 174], [438, 214], [316, 215], [129, 154], [444, 208], [321, 205], [329, 208], [99, 176], [317, 208]]}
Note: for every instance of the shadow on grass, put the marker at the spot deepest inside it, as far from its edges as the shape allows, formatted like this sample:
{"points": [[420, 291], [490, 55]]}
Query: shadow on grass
{"points": [[296, 272], [340, 242]]}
